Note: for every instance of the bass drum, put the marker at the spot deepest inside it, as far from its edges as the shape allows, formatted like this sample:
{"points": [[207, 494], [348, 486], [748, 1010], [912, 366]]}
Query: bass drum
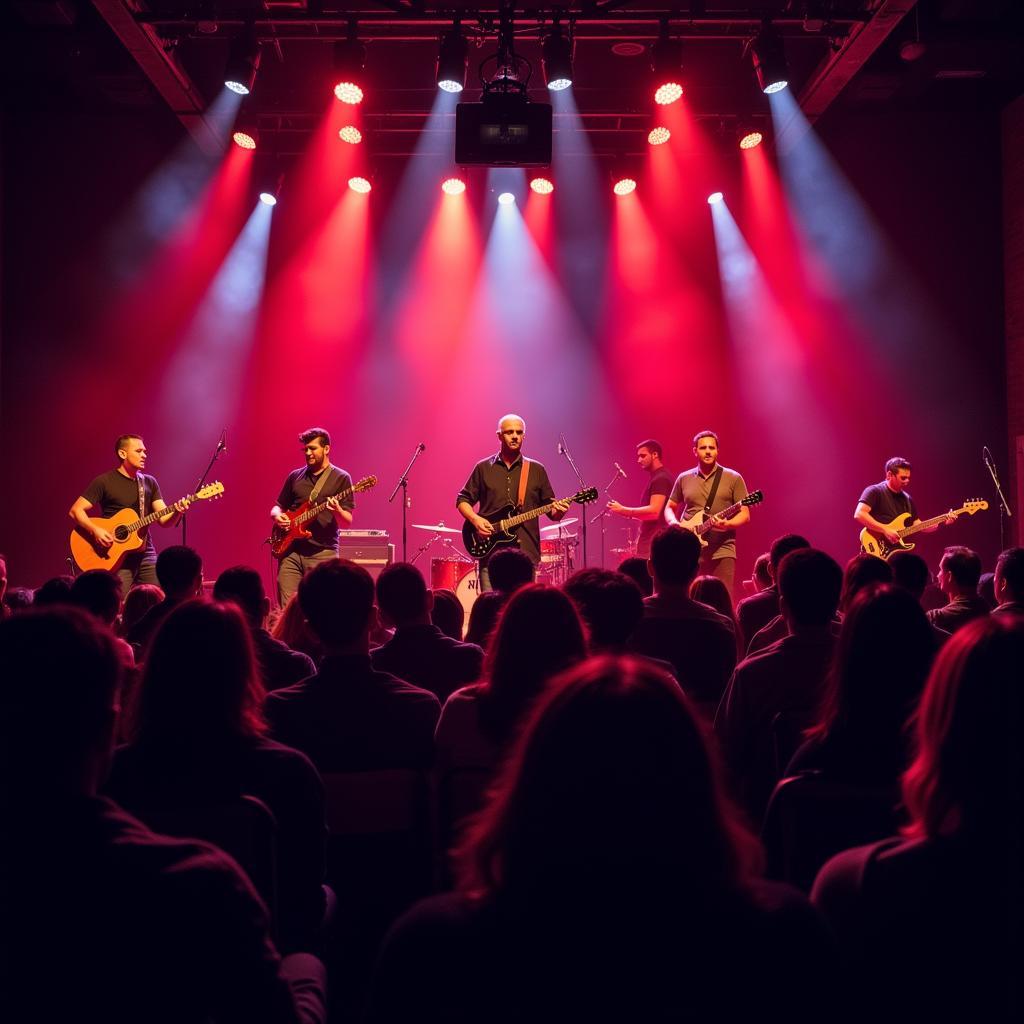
{"points": [[468, 589], [458, 575]]}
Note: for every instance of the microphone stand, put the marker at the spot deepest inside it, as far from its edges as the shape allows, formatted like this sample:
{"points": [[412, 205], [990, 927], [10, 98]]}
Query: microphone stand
{"points": [[404, 484], [222, 447], [564, 449], [604, 512], [1004, 505]]}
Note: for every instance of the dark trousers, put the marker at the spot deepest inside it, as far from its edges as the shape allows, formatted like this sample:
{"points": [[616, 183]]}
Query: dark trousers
{"points": [[293, 567], [723, 568], [138, 567]]}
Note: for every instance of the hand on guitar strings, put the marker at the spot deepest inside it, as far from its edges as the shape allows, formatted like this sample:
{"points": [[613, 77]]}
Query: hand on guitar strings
{"points": [[950, 519], [482, 527], [561, 506], [181, 507]]}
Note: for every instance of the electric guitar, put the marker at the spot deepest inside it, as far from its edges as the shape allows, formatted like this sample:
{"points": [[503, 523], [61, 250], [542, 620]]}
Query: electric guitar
{"points": [[875, 543], [699, 525], [283, 537], [506, 520], [126, 526]]}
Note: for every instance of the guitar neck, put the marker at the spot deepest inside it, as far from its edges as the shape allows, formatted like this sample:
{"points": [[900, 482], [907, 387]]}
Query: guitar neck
{"points": [[314, 510], [525, 517], [727, 513], [141, 524], [925, 523]]}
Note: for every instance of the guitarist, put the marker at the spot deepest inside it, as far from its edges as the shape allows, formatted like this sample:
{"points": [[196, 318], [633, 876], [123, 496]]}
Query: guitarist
{"points": [[710, 488], [126, 487], [495, 484], [301, 483], [883, 502]]}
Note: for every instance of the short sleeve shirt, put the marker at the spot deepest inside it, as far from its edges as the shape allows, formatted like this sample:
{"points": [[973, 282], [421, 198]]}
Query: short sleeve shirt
{"points": [[324, 529], [660, 483], [691, 491], [111, 492], [885, 504]]}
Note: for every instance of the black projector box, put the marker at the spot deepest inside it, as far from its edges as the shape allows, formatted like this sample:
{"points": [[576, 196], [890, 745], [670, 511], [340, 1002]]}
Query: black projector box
{"points": [[503, 132]]}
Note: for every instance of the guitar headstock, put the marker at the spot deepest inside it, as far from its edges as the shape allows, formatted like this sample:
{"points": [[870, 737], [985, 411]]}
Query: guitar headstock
{"points": [[977, 505], [585, 496], [365, 484], [753, 498], [214, 490]]}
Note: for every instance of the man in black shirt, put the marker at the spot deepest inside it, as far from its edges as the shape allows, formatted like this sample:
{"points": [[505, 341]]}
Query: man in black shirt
{"points": [[651, 510], [322, 544], [881, 503], [495, 484], [126, 487]]}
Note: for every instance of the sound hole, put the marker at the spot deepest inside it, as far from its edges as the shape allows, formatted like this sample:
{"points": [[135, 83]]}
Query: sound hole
{"points": [[121, 534]]}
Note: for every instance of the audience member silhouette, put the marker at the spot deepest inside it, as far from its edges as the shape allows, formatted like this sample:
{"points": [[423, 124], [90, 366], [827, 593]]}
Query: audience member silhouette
{"points": [[419, 652], [930, 923], [607, 878], [17, 599], [611, 606], [483, 617], [139, 599], [180, 572], [448, 614], [761, 574], [713, 592], [98, 592], [987, 589], [279, 665], [863, 570], [755, 612], [513, 567], [103, 920], [959, 572], [292, 629], [350, 717], [54, 591], [636, 569], [1009, 582], [198, 738]]}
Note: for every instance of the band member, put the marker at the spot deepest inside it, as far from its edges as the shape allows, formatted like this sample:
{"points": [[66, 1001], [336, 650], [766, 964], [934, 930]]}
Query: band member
{"points": [[881, 503], [710, 484], [322, 545], [494, 484], [126, 487], [651, 510]]}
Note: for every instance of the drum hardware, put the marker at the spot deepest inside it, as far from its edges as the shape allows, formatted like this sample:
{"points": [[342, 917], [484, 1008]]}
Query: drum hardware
{"points": [[439, 533]]}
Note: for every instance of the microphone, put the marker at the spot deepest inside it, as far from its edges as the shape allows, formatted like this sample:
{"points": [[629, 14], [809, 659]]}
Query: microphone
{"points": [[222, 444], [986, 455], [620, 470], [561, 444], [422, 447]]}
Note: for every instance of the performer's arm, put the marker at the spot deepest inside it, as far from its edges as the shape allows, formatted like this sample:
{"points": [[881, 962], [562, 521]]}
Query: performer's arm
{"points": [[280, 517], [480, 524], [862, 515], [742, 517], [467, 498], [78, 513], [655, 509], [343, 515], [174, 512]]}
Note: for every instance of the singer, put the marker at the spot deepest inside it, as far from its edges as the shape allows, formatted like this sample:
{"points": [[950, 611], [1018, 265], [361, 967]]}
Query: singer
{"points": [[651, 510]]}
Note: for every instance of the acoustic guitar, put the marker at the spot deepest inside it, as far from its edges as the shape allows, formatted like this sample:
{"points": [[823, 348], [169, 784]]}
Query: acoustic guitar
{"points": [[126, 526], [875, 543], [700, 525], [283, 537]]}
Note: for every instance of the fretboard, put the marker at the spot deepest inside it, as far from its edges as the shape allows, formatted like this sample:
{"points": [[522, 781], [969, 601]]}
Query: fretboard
{"points": [[525, 517], [314, 510], [718, 517], [925, 523], [141, 524]]}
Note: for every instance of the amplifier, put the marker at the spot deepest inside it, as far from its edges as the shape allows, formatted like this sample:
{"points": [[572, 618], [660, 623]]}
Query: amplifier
{"points": [[370, 549], [344, 535]]}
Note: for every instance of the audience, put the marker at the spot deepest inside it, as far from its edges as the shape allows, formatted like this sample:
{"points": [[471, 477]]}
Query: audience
{"points": [[448, 614], [761, 575], [292, 629], [774, 695], [987, 589], [930, 923], [863, 570], [959, 572], [180, 572], [610, 605], [139, 599], [54, 591], [419, 652], [755, 612], [17, 599], [636, 569], [349, 717], [509, 569], [279, 665], [713, 592], [483, 617], [910, 571], [1009, 582], [99, 593], [104, 920], [607, 878]]}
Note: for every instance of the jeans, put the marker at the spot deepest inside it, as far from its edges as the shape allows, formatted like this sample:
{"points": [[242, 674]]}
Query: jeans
{"points": [[293, 567]]}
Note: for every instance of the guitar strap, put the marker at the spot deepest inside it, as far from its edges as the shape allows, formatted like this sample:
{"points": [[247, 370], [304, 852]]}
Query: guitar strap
{"points": [[142, 496], [713, 492], [314, 494], [523, 477]]}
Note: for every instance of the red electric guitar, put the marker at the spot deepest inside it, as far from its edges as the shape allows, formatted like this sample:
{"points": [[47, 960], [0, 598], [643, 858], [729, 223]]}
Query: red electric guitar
{"points": [[282, 538]]}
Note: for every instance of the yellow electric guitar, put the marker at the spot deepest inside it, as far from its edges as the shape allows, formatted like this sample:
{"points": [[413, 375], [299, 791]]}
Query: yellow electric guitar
{"points": [[126, 526], [875, 544]]}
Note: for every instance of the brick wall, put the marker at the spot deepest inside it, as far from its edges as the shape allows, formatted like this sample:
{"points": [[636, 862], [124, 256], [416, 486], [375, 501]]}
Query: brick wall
{"points": [[1013, 262]]}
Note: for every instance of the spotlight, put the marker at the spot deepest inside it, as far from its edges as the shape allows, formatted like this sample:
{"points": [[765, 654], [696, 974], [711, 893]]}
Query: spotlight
{"points": [[556, 59], [715, 197], [624, 186], [350, 134], [268, 198], [243, 61], [667, 65], [658, 136], [452, 59], [750, 139], [245, 136], [349, 62], [769, 56], [453, 186], [267, 177], [542, 186], [361, 185], [506, 198]]}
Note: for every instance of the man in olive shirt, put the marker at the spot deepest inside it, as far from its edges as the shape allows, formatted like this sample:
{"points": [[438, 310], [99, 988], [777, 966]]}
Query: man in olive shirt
{"points": [[693, 492]]}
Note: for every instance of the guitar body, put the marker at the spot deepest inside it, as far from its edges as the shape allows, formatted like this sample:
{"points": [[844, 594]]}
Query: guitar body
{"points": [[875, 544], [692, 524], [88, 555], [281, 540], [481, 547]]}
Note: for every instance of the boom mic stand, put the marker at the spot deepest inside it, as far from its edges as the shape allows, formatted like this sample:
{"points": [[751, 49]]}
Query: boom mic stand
{"points": [[602, 515], [1004, 505], [222, 446], [563, 449], [404, 484]]}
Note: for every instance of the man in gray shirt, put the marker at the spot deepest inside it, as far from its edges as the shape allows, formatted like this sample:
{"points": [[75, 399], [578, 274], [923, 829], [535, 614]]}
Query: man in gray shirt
{"points": [[695, 491]]}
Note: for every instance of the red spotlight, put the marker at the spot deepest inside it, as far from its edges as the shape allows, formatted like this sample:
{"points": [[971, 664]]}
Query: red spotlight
{"points": [[659, 136], [349, 62], [542, 186], [624, 186], [358, 184], [453, 186], [751, 139], [244, 139], [668, 92], [350, 134], [348, 92]]}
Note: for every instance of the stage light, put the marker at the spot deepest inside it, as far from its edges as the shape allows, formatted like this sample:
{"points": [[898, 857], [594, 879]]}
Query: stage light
{"points": [[715, 197], [749, 139], [350, 134], [658, 136], [243, 61], [624, 186], [245, 136], [452, 59], [349, 62], [506, 198], [769, 57], [361, 185], [556, 59], [268, 198], [453, 186], [542, 186], [667, 65]]}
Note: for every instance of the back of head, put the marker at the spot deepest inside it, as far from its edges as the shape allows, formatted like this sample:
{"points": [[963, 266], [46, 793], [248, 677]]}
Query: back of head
{"points": [[509, 570], [611, 605], [138, 601], [966, 777], [781, 547], [18, 598], [712, 591], [861, 571], [201, 682], [809, 585], [762, 571], [448, 614], [483, 617], [1010, 575], [337, 600], [99, 593], [675, 554], [963, 566], [909, 571], [292, 629], [636, 569], [242, 585], [58, 698], [402, 594], [610, 779], [55, 591], [179, 570]]}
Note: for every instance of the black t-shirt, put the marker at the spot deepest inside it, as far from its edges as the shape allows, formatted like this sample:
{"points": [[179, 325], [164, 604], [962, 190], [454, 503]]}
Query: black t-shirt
{"points": [[324, 529], [886, 505], [111, 492], [660, 483]]}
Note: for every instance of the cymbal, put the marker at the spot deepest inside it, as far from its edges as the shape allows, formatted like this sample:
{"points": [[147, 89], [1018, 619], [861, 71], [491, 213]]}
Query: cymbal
{"points": [[435, 527], [559, 525]]}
